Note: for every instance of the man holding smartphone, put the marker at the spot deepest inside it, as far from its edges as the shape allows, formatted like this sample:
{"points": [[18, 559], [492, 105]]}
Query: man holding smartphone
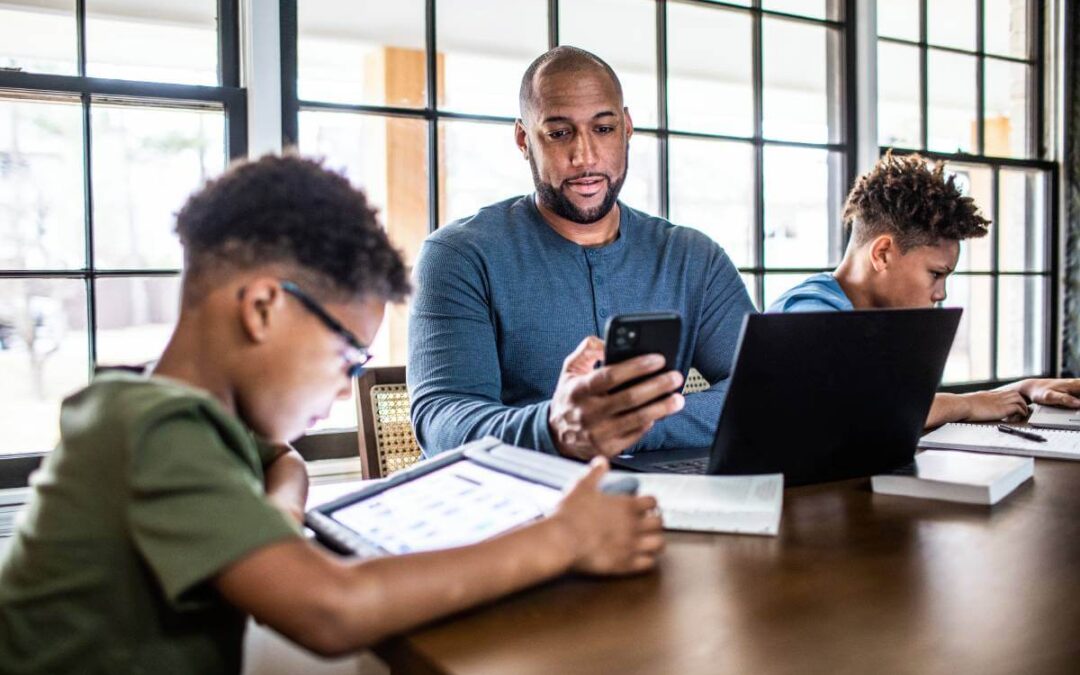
{"points": [[509, 302]]}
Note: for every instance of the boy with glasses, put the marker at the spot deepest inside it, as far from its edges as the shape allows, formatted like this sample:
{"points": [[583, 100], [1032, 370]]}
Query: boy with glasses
{"points": [[171, 508]]}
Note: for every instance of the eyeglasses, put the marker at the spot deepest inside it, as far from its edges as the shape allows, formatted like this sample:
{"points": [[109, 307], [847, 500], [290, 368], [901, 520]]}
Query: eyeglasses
{"points": [[359, 355]]}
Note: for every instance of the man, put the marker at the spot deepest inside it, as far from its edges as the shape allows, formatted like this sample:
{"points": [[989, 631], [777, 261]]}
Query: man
{"points": [[503, 296], [907, 221], [167, 514]]}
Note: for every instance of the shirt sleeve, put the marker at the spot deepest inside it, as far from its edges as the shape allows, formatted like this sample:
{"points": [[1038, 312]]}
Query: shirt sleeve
{"points": [[726, 303], [196, 505], [453, 365], [808, 303]]}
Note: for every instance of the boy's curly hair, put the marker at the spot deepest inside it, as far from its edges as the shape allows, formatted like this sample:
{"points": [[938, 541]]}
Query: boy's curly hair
{"points": [[917, 204], [292, 211]]}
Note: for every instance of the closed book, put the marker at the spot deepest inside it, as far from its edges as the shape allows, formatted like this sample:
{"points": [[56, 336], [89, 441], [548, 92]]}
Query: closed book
{"points": [[956, 477], [736, 504]]}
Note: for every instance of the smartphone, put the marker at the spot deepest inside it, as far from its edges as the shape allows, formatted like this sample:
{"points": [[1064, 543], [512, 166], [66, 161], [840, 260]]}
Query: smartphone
{"points": [[630, 335]]}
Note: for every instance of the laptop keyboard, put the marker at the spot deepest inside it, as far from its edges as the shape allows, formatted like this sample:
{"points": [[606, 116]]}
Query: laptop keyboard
{"points": [[698, 465]]}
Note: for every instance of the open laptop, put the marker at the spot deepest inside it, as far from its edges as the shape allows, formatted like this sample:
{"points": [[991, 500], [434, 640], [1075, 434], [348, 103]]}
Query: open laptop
{"points": [[822, 396]]}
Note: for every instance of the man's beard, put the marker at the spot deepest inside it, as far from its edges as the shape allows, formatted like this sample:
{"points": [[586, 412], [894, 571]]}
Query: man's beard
{"points": [[555, 200]]}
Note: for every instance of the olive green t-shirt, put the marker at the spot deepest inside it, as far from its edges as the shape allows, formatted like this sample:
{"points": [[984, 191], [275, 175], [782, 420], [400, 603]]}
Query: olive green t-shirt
{"points": [[153, 489]]}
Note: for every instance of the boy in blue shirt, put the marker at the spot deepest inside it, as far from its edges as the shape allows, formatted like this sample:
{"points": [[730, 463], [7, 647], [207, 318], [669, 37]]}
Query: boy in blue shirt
{"points": [[907, 221], [171, 508]]}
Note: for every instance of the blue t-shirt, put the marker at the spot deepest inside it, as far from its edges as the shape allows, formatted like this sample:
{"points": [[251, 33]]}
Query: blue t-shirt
{"points": [[502, 299], [819, 293]]}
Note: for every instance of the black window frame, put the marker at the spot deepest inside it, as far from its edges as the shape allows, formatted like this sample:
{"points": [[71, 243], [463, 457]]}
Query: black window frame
{"points": [[321, 445], [228, 94], [292, 105], [1037, 141]]}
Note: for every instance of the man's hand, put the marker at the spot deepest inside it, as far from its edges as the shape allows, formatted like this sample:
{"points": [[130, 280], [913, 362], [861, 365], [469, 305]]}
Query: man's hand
{"points": [[610, 534], [1050, 391], [586, 420]]}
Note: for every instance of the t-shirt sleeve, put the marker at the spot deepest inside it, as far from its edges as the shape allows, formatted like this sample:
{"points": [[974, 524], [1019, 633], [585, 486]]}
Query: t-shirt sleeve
{"points": [[196, 505]]}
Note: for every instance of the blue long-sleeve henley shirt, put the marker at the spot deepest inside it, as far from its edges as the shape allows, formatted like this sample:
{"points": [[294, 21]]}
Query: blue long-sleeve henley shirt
{"points": [[502, 299]]}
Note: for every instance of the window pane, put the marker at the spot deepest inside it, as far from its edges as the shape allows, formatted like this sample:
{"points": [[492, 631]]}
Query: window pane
{"points": [[751, 283], [1005, 25], [801, 199], [951, 87], [970, 355], [819, 9], [709, 70], [43, 358], [800, 63], [898, 96], [480, 165], [386, 157], [642, 187], [1022, 221], [898, 19], [39, 37], [153, 40], [712, 190], [41, 186], [630, 51], [361, 52], [1022, 321], [1007, 93], [485, 47], [135, 317], [146, 161], [951, 23], [778, 284], [975, 182]]}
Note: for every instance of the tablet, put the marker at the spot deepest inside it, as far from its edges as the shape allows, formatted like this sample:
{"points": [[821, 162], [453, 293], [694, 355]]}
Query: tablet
{"points": [[476, 492]]}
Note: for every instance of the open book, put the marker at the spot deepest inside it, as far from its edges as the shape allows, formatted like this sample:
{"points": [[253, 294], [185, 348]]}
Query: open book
{"points": [[986, 438], [739, 504]]}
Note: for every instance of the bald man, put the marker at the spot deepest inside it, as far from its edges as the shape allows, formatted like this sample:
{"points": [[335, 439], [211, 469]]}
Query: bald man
{"points": [[510, 302]]}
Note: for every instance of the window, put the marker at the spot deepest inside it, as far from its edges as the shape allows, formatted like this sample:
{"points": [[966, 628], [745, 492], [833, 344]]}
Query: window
{"points": [[416, 101], [961, 80], [111, 113]]}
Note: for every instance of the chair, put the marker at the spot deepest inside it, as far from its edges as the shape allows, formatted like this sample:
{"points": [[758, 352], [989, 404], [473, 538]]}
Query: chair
{"points": [[695, 382], [387, 441]]}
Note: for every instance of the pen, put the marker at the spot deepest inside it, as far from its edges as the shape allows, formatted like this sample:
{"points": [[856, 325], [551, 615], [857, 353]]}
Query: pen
{"points": [[1022, 434]]}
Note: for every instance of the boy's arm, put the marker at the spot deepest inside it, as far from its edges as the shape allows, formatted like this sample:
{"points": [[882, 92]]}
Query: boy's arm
{"points": [[333, 606], [977, 406], [286, 482]]}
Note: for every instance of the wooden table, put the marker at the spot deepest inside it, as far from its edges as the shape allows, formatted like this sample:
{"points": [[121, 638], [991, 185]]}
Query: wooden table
{"points": [[854, 583]]}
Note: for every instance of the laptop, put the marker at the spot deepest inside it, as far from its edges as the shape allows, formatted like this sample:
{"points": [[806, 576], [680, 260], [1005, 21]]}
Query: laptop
{"points": [[821, 396], [1051, 417]]}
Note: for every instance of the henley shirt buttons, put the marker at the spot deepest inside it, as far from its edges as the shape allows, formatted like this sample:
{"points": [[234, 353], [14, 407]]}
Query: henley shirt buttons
{"points": [[603, 312]]}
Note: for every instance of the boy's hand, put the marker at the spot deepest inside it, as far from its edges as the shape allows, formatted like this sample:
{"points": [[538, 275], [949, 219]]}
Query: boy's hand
{"points": [[609, 534], [1050, 391], [286, 483], [999, 404]]}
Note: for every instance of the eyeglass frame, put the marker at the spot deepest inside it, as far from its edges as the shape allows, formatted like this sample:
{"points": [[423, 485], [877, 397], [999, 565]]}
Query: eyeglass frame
{"points": [[356, 366]]}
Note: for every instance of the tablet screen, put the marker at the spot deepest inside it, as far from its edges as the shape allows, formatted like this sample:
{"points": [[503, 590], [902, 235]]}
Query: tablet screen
{"points": [[459, 504]]}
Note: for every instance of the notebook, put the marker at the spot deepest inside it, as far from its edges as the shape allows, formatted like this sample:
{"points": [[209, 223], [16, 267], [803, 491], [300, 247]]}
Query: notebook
{"points": [[986, 438], [1052, 417], [956, 477], [738, 504]]}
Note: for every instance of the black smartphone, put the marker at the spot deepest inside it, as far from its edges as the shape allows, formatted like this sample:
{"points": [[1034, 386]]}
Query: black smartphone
{"points": [[630, 335]]}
